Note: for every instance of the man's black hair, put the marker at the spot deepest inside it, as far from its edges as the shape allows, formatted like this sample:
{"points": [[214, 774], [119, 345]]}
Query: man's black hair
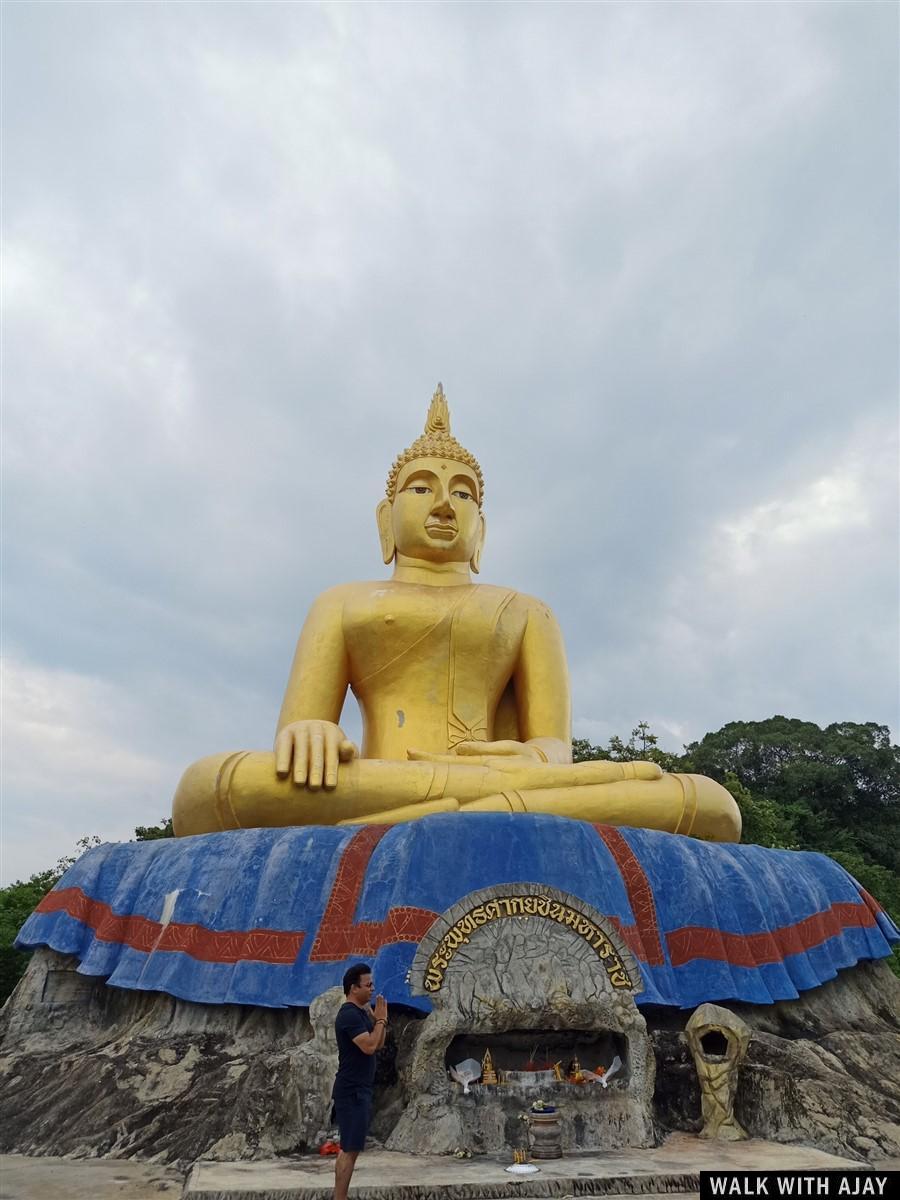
{"points": [[354, 974]]}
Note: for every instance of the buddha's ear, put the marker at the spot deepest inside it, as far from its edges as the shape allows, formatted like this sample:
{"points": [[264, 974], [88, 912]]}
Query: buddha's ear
{"points": [[475, 562], [383, 516]]}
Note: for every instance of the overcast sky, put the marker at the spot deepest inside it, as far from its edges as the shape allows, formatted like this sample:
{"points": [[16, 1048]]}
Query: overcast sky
{"points": [[649, 249]]}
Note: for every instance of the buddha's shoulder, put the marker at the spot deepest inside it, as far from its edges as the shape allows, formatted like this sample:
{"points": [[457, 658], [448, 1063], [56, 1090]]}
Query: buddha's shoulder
{"points": [[360, 589], [350, 595], [519, 602], [361, 592], [341, 594]]}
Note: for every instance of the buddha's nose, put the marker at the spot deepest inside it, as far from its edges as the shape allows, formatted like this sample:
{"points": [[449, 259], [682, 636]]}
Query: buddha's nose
{"points": [[442, 506]]}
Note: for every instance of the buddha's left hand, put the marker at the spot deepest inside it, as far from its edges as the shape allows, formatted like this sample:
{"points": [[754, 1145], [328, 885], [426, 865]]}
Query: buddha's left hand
{"points": [[506, 754]]}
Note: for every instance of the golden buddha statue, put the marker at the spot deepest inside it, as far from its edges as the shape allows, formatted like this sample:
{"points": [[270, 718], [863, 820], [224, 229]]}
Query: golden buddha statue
{"points": [[463, 689]]}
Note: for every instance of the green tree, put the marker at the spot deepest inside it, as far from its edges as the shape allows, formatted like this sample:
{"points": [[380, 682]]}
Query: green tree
{"points": [[642, 745], [838, 787], [151, 833], [764, 823]]}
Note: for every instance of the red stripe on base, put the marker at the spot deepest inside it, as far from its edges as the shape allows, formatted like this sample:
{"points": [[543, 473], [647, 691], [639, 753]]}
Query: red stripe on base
{"points": [[206, 945], [756, 949], [339, 935], [644, 939], [870, 902]]}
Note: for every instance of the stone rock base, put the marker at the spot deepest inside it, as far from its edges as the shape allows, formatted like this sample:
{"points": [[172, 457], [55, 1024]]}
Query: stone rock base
{"points": [[92, 1071]]}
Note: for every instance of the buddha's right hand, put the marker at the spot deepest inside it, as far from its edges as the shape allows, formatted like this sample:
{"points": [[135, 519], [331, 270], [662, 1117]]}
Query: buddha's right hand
{"points": [[314, 749]]}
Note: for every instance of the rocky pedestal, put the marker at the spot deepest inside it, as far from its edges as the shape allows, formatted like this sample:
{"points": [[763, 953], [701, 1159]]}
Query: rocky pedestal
{"points": [[88, 1070], [165, 1047]]}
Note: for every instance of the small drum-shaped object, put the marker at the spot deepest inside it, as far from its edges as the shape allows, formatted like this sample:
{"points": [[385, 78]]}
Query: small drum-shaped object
{"points": [[545, 1135]]}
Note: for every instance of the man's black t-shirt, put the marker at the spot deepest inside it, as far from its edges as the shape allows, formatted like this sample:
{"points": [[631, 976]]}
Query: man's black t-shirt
{"points": [[355, 1068]]}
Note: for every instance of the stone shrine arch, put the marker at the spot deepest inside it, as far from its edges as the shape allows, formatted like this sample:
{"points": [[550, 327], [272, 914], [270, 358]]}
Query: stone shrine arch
{"points": [[513, 966]]}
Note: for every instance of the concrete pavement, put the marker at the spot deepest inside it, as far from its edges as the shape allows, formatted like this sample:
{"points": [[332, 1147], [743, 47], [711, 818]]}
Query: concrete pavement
{"points": [[673, 1167], [382, 1175]]}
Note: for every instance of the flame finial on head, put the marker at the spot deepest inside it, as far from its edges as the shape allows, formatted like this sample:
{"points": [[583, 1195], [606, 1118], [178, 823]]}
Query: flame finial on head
{"points": [[438, 419], [436, 442]]}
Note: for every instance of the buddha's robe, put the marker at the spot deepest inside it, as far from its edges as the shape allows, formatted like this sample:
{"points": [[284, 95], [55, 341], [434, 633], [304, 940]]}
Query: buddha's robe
{"points": [[432, 667]]}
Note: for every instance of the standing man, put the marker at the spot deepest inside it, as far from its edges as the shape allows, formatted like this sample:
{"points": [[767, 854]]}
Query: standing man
{"points": [[360, 1030]]}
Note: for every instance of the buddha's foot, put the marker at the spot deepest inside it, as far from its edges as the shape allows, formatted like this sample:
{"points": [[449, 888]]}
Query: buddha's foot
{"points": [[687, 804], [407, 812]]}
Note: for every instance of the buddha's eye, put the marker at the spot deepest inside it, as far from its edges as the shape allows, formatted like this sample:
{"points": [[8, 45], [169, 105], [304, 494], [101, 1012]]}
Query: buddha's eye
{"points": [[464, 495], [419, 489]]}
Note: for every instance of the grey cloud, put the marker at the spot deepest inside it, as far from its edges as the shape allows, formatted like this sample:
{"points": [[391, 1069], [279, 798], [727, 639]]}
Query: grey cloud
{"points": [[648, 249]]}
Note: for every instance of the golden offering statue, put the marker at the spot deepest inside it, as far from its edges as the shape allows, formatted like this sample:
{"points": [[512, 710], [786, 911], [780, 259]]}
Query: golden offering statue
{"points": [[488, 1074], [463, 689]]}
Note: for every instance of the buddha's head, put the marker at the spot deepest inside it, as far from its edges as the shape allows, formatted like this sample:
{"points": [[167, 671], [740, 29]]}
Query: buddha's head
{"points": [[434, 497]]}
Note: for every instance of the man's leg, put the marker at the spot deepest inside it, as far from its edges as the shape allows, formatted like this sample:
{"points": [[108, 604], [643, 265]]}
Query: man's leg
{"points": [[343, 1170], [353, 1115]]}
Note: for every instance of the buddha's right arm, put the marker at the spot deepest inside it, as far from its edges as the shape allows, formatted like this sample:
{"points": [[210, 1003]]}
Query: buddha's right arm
{"points": [[309, 743]]}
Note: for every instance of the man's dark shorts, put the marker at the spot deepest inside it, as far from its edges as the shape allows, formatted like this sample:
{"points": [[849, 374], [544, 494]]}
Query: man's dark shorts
{"points": [[353, 1113]]}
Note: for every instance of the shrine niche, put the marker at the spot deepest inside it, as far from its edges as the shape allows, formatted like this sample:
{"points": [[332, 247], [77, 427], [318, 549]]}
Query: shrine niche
{"points": [[540, 986]]}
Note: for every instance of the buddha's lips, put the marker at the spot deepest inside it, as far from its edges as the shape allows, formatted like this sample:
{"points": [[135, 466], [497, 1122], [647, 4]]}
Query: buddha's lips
{"points": [[442, 531]]}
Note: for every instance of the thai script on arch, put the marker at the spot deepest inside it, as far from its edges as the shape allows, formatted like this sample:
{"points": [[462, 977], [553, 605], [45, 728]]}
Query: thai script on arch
{"points": [[502, 907]]}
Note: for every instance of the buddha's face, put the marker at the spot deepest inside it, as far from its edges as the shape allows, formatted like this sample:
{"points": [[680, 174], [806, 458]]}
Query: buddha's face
{"points": [[435, 514]]}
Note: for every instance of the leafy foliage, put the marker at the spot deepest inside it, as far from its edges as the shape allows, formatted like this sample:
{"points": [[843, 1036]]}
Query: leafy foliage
{"points": [[152, 833], [643, 744], [835, 789]]}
